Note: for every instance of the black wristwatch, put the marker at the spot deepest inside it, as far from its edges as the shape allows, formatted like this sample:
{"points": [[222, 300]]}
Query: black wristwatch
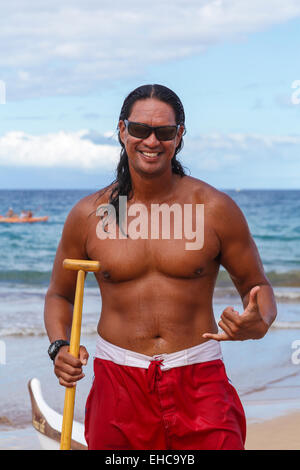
{"points": [[55, 347]]}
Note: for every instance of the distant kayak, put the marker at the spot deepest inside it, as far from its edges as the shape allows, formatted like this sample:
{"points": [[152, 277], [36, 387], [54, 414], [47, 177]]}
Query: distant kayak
{"points": [[22, 220]]}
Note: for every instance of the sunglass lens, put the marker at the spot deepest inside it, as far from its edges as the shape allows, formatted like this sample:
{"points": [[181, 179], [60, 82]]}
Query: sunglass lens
{"points": [[166, 133], [138, 130]]}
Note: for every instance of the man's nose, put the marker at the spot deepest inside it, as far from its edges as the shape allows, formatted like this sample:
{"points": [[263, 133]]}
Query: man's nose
{"points": [[152, 140]]}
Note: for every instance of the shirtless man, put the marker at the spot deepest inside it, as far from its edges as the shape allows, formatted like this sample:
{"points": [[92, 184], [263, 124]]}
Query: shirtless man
{"points": [[160, 382]]}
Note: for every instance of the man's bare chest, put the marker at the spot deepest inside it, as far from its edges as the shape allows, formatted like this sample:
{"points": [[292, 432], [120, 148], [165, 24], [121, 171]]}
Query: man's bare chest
{"points": [[128, 258]]}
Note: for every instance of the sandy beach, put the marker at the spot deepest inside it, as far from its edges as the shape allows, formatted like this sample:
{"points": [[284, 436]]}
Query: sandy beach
{"points": [[282, 433]]}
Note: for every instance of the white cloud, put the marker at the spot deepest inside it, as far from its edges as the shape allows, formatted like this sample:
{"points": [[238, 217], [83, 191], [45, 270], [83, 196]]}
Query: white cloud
{"points": [[62, 149], [54, 47], [215, 152], [212, 153]]}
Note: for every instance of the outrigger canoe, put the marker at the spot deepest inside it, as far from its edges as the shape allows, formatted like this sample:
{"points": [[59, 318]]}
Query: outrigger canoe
{"points": [[23, 220], [48, 423]]}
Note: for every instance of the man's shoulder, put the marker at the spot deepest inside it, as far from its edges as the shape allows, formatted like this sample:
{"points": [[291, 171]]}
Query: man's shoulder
{"points": [[208, 194], [223, 213], [87, 205]]}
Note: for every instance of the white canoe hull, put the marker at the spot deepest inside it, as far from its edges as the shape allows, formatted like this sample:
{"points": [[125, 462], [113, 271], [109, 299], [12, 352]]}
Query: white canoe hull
{"points": [[48, 423]]}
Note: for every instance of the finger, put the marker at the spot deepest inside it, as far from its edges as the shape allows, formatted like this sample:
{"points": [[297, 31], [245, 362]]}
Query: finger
{"points": [[227, 329], [67, 369], [65, 356], [67, 359], [66, 383], [231, 316], [218, 336], [71, 380], [228, 310]]}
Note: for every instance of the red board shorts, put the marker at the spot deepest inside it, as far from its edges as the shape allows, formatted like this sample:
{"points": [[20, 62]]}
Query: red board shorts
{"points": [[171, 401]]}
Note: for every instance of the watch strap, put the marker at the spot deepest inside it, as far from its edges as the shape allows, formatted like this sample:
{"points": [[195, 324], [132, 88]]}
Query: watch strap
{"points": [[55, 347]]}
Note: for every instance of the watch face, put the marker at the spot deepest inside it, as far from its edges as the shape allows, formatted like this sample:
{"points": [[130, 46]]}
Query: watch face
{"points": [[52, 349]]}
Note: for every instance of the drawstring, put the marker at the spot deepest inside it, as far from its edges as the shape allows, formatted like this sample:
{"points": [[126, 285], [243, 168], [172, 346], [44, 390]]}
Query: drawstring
{"points": [[154, 373]]}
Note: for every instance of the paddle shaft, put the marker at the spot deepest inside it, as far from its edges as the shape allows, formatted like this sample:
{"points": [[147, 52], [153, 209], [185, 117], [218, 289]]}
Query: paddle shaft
{"points": [[66, 434], [81, 266]]}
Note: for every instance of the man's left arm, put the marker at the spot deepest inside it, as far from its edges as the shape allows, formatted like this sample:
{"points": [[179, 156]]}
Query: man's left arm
{"points": [[240, 257]]}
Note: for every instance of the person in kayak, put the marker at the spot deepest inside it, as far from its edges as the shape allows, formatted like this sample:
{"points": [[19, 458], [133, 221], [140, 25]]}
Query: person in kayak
{"points": [[26, 214], [10, 213], [160, 381]]}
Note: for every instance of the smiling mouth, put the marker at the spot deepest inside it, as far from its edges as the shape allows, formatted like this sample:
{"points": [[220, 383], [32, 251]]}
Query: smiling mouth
{"points": [[150, 154]]}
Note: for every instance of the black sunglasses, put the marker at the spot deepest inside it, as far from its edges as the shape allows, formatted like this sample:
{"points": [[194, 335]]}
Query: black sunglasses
{"points": [[143, 131]]}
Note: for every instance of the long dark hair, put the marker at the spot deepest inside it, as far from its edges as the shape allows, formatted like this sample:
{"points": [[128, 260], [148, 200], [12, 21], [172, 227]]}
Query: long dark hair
{"points": [[122, 184]]}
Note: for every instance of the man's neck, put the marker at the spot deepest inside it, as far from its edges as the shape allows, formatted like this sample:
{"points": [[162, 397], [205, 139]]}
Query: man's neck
{"points": [[150, 188]]}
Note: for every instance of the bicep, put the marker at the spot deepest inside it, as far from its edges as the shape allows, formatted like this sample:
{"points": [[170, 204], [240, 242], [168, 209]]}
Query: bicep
{"points": [[71, 245], [239, 254]]}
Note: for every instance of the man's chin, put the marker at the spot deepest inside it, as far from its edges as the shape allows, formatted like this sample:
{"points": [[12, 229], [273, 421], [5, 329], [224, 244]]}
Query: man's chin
{"points": [[150, 170]]}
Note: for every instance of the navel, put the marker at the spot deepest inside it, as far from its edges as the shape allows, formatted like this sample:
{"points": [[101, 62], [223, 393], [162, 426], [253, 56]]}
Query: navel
{"points": [[106, 275], [198, 271]]}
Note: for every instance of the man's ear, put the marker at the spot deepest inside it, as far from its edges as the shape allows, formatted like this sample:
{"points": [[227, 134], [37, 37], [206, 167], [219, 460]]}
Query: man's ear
{"points": [[122, 129], [179, 135]]}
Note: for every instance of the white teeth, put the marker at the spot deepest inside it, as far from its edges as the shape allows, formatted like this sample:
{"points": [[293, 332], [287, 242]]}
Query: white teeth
{"points": [[150, 154]]}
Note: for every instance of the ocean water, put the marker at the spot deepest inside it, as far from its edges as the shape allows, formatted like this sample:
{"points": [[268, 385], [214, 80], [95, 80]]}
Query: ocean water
{"points": [[264, 372]]}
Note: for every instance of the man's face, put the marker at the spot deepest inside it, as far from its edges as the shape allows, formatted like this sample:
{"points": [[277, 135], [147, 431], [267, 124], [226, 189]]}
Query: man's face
{"points": [[150, 156]]}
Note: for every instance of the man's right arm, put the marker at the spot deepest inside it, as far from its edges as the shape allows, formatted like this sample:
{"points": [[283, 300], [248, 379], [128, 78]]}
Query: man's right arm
{"points": [[59, 299]]}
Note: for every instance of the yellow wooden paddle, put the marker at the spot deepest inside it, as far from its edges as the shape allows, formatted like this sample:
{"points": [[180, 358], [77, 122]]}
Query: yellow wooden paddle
{"points": [[82, 266]]}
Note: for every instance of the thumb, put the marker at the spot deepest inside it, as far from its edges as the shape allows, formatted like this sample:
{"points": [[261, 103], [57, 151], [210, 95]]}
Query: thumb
{"points": [[253, 296], [83, 355]]}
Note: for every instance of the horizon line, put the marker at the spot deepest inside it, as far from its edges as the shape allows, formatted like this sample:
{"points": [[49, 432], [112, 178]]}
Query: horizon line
{"points": [[237, 189]]}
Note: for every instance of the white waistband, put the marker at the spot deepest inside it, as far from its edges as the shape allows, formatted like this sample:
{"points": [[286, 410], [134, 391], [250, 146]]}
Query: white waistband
{"points": [[208, 351]]}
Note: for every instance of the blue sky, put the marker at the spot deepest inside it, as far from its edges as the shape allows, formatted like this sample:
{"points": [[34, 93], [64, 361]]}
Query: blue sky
{"points": [[67, 69]]}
